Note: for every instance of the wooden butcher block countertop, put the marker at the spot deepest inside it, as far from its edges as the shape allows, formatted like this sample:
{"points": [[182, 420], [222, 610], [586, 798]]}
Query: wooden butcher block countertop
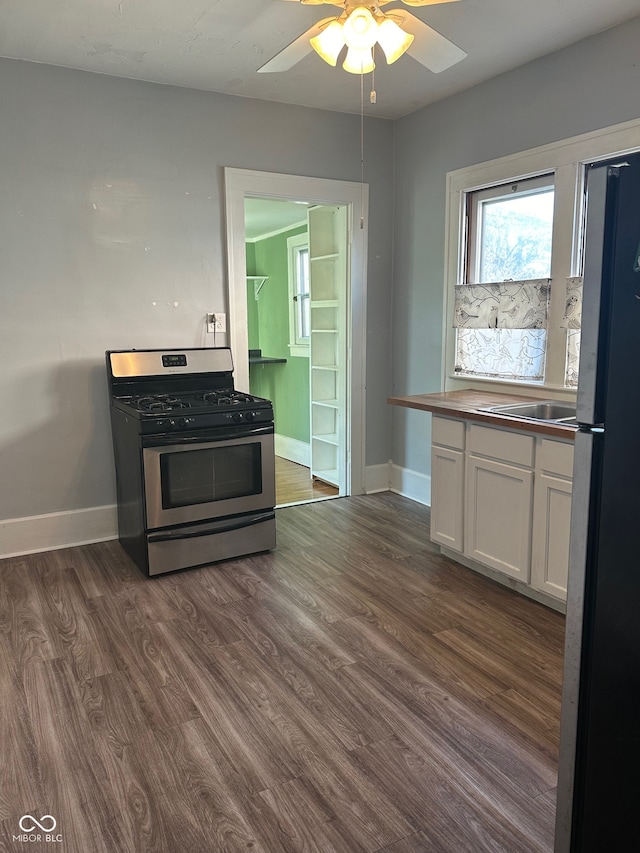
{"points": [[469, 405]]}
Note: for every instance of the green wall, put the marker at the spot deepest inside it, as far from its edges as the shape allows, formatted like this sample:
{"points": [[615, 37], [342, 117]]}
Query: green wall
{"points": [[287, 385]]}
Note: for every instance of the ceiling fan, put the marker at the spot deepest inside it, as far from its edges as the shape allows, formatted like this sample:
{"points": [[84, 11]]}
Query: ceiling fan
{"points": [[359, 27]]}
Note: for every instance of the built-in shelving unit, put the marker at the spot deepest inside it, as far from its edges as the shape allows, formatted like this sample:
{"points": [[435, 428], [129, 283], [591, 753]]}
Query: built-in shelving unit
{"points": [[328, 279]]}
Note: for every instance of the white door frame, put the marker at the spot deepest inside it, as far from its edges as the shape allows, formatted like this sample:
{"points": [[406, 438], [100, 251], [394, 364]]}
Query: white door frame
{"points": [[240, 183]]}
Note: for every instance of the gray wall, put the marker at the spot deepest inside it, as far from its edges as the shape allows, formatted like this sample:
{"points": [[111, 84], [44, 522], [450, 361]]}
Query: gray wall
{"points": [[592, 84], [111, 212], [112, 236]]}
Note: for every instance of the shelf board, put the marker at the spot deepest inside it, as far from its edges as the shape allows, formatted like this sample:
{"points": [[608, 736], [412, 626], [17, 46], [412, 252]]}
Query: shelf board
{"points": [[329, 404], [324, 303], [259, 282], [330, 257], [328, 476], [332, 367], [327, 438]]}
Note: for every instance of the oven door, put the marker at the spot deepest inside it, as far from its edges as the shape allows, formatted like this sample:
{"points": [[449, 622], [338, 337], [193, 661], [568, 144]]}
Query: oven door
{"points": [[208, 475]]}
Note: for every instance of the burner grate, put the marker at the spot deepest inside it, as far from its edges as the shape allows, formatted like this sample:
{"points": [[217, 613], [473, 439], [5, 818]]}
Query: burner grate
{"points": [[224, 397], [206, 399], [158, 403]]}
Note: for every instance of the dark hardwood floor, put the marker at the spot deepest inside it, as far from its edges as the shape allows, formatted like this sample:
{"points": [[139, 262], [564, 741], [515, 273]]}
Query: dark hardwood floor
{"points": [[352, 691]]}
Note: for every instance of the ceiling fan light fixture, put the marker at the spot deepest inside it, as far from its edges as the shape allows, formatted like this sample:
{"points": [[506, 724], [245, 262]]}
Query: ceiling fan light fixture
{"points": [[359, 61], [360, 29], [393, 40], [329, 43]]}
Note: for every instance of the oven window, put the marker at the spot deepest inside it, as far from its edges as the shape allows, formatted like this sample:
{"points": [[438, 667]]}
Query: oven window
{"points": [[212, 474]]}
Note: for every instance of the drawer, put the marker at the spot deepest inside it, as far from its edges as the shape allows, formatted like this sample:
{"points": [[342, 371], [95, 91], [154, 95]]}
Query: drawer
{"points": [[515, 447], [448, 432], [555, 457]]}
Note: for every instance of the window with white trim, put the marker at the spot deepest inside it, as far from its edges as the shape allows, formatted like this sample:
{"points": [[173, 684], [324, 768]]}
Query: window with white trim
{"points": [[299, 297], [501, 307], [514, 262]]}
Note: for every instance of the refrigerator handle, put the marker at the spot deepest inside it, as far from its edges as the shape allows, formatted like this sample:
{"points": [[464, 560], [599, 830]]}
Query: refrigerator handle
{"points": [[601, 193]]}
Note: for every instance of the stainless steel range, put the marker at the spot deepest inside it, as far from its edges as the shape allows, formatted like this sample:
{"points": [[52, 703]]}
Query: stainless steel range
{"points": [[195, 464]]}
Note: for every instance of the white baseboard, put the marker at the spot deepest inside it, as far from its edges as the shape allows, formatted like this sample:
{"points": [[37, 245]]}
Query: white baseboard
{"points": [[403, 481], [56, 530], [293, 450], [411, 484], [377, 478]]}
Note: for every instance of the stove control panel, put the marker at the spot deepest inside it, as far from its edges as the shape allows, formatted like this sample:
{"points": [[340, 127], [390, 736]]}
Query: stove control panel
{"points": [[184, 423], [174, 360], [177, 423], [246, 416]]}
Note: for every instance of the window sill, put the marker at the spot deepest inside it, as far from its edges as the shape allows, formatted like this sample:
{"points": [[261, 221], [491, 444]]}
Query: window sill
{"points": [[299, 350], [533, 389]]}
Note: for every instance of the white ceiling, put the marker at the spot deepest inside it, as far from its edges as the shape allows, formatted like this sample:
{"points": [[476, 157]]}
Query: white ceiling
{"points": [[218, 45]]}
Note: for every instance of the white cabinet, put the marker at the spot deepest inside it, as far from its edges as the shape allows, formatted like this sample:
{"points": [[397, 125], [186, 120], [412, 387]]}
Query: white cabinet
{"points": [[447, 483], [499, 499], [502, 499], [552, 517], [328, 353]]}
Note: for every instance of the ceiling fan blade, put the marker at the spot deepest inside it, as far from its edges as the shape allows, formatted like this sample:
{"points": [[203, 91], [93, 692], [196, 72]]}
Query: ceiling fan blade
{"points": [[431, 49], [294, 52]]}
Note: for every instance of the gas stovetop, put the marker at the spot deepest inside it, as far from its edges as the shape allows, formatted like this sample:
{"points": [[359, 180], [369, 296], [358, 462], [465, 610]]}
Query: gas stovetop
{"points": [[181, 389], [218, 399]]}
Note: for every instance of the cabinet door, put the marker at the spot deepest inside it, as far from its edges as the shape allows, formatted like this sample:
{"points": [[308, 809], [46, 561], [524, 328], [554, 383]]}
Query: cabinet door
{"points": [[447, 497], [498, 516], [551, 525]]}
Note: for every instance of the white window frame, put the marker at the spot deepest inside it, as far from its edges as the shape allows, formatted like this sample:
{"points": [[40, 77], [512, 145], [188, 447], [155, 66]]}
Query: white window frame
{"points": [[476, 200], [566, 160], [297, 346]]}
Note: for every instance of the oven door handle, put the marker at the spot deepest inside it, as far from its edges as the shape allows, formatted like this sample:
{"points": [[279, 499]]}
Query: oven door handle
{"points": [[204, 437], [219, 527]]}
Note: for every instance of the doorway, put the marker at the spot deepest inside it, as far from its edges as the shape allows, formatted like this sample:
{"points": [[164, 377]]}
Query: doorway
{"points": [[289, 338], [334, 367]]}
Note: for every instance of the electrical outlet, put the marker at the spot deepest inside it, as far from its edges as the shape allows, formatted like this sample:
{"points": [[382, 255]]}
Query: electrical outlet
{"points": [[216, 323]]}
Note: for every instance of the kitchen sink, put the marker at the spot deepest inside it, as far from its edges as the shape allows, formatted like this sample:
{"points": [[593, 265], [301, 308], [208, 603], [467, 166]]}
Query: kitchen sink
{"points": [[547, 410]]}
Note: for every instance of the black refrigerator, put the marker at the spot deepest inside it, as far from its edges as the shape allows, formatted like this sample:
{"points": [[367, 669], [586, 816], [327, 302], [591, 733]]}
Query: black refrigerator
{"points": [[599, 771]]}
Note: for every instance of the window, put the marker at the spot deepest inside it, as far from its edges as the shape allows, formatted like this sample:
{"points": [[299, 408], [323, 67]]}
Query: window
{"points": [[511, 230], [509, 238], [299, 297], [514, 262]]}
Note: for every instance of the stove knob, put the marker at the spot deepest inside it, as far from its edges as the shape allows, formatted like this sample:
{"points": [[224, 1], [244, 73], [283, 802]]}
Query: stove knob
{"points": [[249, 416], [237, 416], [171, 424], [185, 422]]}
